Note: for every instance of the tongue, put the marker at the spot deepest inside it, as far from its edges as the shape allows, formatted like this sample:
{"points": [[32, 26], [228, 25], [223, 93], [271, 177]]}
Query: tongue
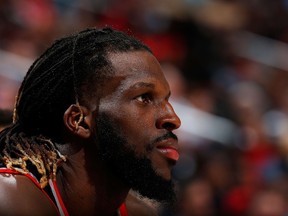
{"points": [[170, 153]]}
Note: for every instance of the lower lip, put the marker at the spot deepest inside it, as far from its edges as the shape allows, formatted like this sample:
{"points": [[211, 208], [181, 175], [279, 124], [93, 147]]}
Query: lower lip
{"points": [[170, 153]]}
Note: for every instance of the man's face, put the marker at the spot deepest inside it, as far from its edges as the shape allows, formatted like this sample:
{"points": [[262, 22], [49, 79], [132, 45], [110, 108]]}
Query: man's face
{"points": [[135, 123]]}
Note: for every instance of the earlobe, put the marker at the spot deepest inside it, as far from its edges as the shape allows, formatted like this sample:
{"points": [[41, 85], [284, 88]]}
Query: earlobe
{"points": [[77, 120]]}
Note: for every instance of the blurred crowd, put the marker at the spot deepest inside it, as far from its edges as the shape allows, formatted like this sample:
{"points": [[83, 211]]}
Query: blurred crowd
{"points": [[227, 65]]}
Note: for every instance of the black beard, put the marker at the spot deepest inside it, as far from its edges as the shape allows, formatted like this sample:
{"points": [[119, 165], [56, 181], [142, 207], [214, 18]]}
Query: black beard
{"points": [[135, 171]]}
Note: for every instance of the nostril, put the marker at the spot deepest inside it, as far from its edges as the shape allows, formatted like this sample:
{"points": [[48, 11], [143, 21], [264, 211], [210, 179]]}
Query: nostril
{"points": [[169, 126]]}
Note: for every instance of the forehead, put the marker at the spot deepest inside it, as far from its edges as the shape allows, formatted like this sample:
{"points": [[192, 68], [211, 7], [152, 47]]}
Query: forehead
{"points": [[137, 66]]}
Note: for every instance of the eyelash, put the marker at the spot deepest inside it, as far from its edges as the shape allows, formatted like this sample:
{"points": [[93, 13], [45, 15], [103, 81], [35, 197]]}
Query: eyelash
{"points": [[144, 98]]}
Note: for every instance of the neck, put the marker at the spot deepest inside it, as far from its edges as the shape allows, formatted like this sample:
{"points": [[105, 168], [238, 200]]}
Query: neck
{"points": [[87, 188]]}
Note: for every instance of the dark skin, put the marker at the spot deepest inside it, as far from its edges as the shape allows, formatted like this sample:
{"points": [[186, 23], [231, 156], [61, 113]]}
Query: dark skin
{"points": [[136, 98]]}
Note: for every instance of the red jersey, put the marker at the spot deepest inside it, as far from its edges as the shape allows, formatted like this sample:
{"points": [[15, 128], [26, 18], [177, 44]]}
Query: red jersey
{"points": [[56, 199]]}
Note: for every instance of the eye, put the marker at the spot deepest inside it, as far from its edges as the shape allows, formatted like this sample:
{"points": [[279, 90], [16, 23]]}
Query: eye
{"points": [[144, 98]]}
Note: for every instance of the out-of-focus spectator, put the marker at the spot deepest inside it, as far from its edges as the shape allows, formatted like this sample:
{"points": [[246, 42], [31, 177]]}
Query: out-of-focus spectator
{"points": [[268, 202], [8, 92], [197, 199], [5, 118]]}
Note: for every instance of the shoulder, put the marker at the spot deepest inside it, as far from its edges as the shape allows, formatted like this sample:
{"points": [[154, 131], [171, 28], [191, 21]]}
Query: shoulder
{"points": [[138, 206], [20, 196]]}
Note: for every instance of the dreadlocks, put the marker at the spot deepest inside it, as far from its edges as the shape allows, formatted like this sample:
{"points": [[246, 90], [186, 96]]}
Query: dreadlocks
{"points": [[66, 73]]}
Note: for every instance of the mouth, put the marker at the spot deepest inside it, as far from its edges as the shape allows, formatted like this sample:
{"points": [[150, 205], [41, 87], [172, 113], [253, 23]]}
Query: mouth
{"points": [[169, 153], [168, 148]]}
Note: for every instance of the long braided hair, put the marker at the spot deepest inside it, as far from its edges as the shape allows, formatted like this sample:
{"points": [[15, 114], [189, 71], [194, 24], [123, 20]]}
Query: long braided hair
{"points": [[66, 73]]}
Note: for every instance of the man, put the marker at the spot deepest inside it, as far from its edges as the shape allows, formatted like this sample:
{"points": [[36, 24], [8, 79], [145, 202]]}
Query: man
{"points": [[92, 121]]}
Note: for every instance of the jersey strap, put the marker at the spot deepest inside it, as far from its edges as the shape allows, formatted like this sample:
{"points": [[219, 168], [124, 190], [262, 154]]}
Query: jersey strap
{"points": [[59, 202]]}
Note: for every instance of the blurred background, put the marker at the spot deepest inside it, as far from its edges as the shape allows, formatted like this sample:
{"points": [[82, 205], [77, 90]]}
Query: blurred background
{"points": [[227, 65]]}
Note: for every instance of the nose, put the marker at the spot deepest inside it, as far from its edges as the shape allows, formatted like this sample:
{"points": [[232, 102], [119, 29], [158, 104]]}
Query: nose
{"points": [[168, 119]]}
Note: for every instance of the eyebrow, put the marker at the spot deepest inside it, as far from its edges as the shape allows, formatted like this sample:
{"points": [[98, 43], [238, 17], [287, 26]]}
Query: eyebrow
{"points": [[142, 84], [146, 85]]}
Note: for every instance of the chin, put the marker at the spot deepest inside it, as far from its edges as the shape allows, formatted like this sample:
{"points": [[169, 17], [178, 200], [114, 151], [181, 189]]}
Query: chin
{"points": [[165, 174]]}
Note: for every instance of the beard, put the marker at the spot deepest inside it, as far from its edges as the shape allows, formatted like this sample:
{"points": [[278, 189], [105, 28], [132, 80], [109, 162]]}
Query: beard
{"points": [[135, 171]]}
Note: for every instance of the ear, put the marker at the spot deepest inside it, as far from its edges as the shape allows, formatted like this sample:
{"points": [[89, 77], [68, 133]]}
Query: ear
{"points": [[78, 120]]}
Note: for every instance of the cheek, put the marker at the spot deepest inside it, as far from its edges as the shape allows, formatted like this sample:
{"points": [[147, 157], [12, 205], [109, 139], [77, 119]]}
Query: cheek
{"points": [[138, 128], [135, 124]]}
